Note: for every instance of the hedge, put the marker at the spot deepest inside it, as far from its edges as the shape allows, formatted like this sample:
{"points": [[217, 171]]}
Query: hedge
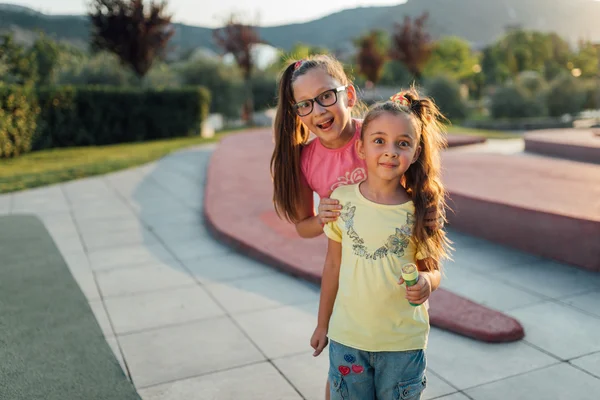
{"points": [[445, 91], [101, 115], [18, 118]]}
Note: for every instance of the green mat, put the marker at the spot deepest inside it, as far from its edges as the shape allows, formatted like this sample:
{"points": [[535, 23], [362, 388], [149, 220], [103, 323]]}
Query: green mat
{"points": [[51, 346]]}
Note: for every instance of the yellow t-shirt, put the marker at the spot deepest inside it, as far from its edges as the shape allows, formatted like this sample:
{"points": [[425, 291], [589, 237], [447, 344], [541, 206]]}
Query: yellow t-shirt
{"points": [[371, 312]]}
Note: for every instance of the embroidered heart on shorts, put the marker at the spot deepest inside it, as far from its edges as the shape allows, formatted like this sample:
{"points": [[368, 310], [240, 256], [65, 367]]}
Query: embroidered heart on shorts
{"points": [[344, 370], [357, 369], [349, 358]]}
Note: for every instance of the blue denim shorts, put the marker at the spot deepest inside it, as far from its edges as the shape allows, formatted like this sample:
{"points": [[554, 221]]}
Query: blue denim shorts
{"points": [[363, 375]]}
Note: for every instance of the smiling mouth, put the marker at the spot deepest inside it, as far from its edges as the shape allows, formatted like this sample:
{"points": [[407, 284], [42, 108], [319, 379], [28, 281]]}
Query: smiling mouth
{"points": [[388, 165], [325, 124]]}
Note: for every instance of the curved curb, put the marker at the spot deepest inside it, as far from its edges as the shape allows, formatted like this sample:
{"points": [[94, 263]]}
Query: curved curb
{"points": [[570, 144], [237, 196]]}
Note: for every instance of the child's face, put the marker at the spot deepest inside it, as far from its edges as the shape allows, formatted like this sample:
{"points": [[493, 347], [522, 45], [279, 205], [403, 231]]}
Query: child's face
{"points": [[327, 123], [389, 146]]}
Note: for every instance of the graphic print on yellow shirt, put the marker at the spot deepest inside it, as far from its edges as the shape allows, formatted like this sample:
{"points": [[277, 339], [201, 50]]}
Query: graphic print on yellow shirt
{"points": [[371, 312], [395, 244]]}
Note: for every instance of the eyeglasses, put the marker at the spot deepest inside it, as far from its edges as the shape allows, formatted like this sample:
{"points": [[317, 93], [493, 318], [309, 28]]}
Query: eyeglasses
{"points": [[325, 99]]}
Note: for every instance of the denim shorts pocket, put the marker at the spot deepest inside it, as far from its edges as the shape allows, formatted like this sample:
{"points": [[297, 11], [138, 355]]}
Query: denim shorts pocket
{"points": [[411, 390], [338, 387]]}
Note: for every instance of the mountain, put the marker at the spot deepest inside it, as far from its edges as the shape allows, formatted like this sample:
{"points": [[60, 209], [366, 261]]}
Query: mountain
{"points": [[478, 21]]}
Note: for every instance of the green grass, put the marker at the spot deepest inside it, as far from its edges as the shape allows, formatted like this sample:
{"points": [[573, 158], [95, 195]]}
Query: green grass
{"points": [[46, 167], [490, 134]]}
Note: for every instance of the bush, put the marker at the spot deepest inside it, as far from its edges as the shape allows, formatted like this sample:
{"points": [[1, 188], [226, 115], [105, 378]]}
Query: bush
{"points": [[59, 124], [161, 76], [224, 83], [101, 69], [81, 116], [264, 90], [18, 115], [395, 74], [445, 91], [533, 83], [513, 101], [590, 88], [566, 96]]}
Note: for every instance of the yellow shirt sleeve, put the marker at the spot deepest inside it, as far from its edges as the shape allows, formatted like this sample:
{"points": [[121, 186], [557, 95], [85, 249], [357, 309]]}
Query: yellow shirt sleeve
{"points": [[332, 231]]}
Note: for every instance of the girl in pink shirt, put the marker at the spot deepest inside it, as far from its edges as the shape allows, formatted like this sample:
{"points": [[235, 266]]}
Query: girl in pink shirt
{"points": [[315, 95]]}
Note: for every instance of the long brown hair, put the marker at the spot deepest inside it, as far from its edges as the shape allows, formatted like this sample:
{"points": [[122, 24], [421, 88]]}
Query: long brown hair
{"points": [[422, 180], [291, 134]]}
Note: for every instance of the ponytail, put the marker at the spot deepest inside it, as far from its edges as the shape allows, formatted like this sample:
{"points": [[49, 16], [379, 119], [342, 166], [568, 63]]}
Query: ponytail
{"points": [[423, 178], [289, 134]]}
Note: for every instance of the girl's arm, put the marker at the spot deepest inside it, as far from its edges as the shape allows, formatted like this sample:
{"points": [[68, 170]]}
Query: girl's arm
{"points": [[329, 288], [329, 282], [434, 276], [311, 225]]}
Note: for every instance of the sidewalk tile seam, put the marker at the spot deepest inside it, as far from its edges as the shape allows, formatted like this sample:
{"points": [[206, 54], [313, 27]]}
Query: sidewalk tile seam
{"points": [[118, 245], [514, 375], [584, 371], [128, 371], [150, 291], [284, 376], [447, 382], [516, 285], [582, 293], [162, 262], [560, 302], [584, 355], [213, 281], [272, 308], [542, 350], [145, 264], [169, 326], [201, 375]]}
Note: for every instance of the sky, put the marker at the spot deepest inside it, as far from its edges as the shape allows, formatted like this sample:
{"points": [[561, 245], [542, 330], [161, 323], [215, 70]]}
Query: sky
{"points": [[212, 13]]}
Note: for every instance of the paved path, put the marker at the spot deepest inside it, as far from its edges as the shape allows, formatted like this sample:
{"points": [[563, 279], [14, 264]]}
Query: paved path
{"points": [[189, 319]]}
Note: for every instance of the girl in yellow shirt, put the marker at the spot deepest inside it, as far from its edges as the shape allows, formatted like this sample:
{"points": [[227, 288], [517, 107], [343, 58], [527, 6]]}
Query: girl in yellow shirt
{"points": [[378, 327]]}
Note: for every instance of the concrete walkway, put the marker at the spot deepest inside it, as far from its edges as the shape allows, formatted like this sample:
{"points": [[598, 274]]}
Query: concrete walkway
{"points": [[189, 319]]}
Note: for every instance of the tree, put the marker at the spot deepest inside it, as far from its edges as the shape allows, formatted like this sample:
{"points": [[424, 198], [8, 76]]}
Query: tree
{"points": [[586, 59], [299, 51], [452, 56], [238, 38], [520, 50], [16, 65], [411, 44], [49, 56], [371, 55], [137, 33], [225, 81]]}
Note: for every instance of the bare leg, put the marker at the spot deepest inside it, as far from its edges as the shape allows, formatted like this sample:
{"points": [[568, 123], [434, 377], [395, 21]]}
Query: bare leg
{"points": [[327, 395]]}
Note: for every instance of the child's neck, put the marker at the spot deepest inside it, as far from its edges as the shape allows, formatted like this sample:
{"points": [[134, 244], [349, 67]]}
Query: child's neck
{"points": [[383, 191]]}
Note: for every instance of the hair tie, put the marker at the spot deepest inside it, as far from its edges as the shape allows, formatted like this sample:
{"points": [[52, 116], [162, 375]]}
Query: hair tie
{"points": [[298, 64], [401, 99]]}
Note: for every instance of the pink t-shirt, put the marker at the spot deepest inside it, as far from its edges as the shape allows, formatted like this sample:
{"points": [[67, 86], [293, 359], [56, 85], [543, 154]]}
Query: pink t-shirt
{"points": [[325, 169]]}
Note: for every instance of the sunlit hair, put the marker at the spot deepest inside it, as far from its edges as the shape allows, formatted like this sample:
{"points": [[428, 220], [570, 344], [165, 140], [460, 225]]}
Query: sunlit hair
{"points": [[422, 180]]}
